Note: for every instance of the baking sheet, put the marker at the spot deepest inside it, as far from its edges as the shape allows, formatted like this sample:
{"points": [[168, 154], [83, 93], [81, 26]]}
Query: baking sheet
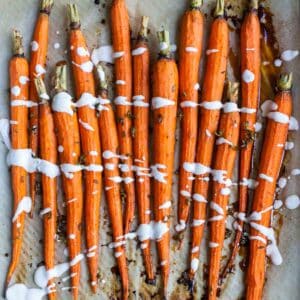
{"points": [[282, 281]]}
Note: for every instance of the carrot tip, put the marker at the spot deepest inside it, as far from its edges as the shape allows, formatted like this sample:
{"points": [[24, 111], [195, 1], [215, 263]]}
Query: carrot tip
{"points": [[195, 4], [47, 5], [17, 39], [73, 15], [144, 27], [164, 42], [220, 8], [60, 78], [285, 81], [233, 91]]}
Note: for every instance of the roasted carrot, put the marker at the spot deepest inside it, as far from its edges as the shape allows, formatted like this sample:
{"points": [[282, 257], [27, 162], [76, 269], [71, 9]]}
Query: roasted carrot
{"points": [[224, 159], [18, 72], [210, 105], [68, 140], [250, 68], [189, 60], [262, 239], [164, 106], [110, 148], [39, 48], [89, 135], [140, 135], [123, 92], [48, 155]]}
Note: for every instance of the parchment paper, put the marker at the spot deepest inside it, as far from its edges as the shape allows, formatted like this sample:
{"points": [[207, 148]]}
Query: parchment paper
{"points": [[282, 281]]}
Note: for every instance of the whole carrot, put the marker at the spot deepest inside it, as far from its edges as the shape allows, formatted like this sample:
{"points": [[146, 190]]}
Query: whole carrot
{"points": [[191, 33], [89, 135], [18, 73], [225, 154], [262, 239], [123, 91], [112, 177], [250, 68], [164, 106], [39, 48], [140, 135], [48, 155], [68, 140], [210, 105]]}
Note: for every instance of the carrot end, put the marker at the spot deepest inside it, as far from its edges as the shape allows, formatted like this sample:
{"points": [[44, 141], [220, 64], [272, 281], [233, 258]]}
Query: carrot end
{"points": [[196, 4], [73, 15], [220, 9], [233, 91], [144, 27], [285, 82], [46, 6], [17, 39], [41, 89], [60, 77], [164, 43], [102, 77], [254, 4]]}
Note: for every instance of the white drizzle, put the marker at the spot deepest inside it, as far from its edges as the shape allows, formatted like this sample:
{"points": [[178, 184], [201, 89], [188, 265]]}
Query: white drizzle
{"points": [[138, 51], [159, 102]]}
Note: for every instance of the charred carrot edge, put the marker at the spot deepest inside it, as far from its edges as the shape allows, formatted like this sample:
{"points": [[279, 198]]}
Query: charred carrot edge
{"points": [[224, 159], [110, 146], [48, 152], [67, 130], [39, 48], [250, 61], [164, 106], [140, 136], [275, 135], [189, 60], [18, 67], [90, 140], [213, 84], [123, 91]]}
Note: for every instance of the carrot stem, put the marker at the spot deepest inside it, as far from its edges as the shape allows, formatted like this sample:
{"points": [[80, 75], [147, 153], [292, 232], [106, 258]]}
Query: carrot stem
{"points": [[18, 49], [254, 4], [144, 28], [164, 40], [46, 6], [196, 4], [73, 16], [285, 82], [220, 9]]}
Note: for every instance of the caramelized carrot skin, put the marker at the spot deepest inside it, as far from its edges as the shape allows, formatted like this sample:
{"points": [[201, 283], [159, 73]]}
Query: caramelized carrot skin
{"points": [[165, 85], [189, 61], [38, 58], [48, 152], [110, 142], [275, 134], [224, 160], [72, 187], [208, 121], [123, 70], [141, 86], [19, 140], [90, 143]]}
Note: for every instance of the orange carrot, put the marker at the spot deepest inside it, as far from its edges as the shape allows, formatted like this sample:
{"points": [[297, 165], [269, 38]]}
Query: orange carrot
{"points": [[18, 72], [48, 154], [164, 105], [250, 61], [226, 148], [123, 91], [189, 61], [210, 105], [68, 141], [89, 134], [110, 148], [260, 233], [39, 48], [140, 135]]}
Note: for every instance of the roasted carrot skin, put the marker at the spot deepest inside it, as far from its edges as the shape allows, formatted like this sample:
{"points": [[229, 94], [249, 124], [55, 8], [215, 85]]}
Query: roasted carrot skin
{"points": [[39, 49], [250, 60], [90, 141], [274, 140], [68, 139], [18, 68], [224, 160], [164, 85], [141, 91], [48, 152], [110, 146], [191, 34], [208, 123], [123, 92]]}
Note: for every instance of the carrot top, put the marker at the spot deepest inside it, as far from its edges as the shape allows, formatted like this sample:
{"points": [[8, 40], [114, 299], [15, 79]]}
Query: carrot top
{"points": [[143, 33], [285, 82], [254, 4], [196, 4], [102, 78], [41, 89], [46, 6], [73, 16], [220, 8], [18, 49], [60, 78], [164, 43]]}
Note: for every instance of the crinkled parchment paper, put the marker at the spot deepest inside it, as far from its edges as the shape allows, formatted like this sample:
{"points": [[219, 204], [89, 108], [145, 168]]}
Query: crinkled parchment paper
{"points": [[282, 281]]}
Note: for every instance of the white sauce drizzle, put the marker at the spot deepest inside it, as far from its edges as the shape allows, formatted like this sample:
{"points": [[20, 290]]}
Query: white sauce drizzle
{"points": [[138, 100], [289, 55], [138, 51], [118, 54], [159, 175], [213, 245], [86, 126], [26, 103], [194, 264], [86, 67], [15, 90], [279, 117], [159, 102], [23, 206], [199, 198], [181, 226], [121, 100], [196, 222], [62, 102], [210, 51], [81, 51], [165, 205], [266, 177], [34, 46], [248, 76], [191, 49], [292, 201], [102, 54], [267, 107]]}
